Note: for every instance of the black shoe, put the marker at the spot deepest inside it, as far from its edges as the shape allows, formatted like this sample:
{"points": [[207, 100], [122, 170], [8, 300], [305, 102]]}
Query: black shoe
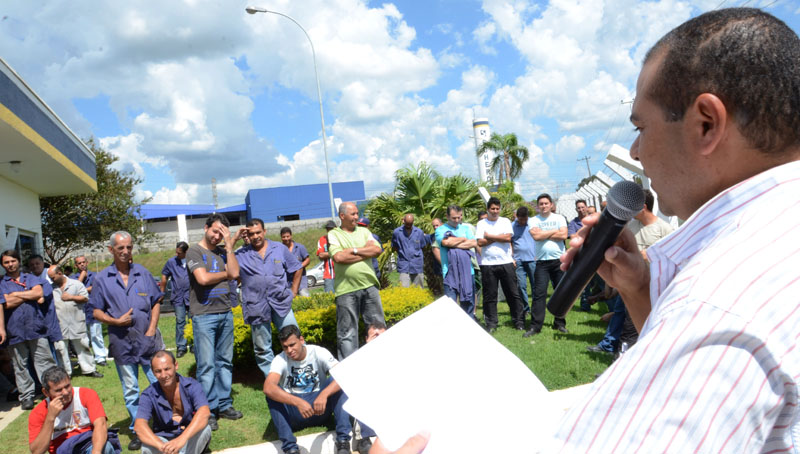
{"points": [[181, 352], [27, 404], [102, 363], [520, 327], [135, 444], [597, 349], [94, 374], [230, 413], [292, 451], [343, 447], [491, 329], [364, 445], [562, 329], [212, 423], [531, 332]]}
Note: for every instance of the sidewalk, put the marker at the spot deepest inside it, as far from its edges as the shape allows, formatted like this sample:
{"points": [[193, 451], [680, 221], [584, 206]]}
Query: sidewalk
{"points": [[8, 413], [323, 443]]}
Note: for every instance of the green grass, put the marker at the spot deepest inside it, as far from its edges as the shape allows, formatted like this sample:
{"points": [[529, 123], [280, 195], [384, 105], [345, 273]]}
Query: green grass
{"points": [[559, 360]]}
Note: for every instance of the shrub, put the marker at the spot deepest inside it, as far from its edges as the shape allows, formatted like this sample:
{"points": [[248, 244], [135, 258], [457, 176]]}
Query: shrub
{"points": [[316, 317]]}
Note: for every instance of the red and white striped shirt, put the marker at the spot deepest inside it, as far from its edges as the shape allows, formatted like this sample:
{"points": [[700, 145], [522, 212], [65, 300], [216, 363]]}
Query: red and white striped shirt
{"points": [[717, 363]]}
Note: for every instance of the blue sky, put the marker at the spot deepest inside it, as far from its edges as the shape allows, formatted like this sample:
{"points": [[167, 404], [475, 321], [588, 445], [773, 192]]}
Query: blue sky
{"points": [[186, 91]]}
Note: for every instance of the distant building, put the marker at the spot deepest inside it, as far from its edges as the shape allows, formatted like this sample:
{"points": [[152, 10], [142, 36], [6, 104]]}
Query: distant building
{"points": [[39, 157], [295, 203], [160, 218]]}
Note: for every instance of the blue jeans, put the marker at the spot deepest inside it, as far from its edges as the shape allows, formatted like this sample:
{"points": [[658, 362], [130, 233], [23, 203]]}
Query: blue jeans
{"points": [[610, 342], [180, 325], [194, 445], [129, 377], [287, 418], [95, 331], [213, 351], [329, 285], [107, 449], [525, 275], [468, 306], [262, 338], [367, 302]]}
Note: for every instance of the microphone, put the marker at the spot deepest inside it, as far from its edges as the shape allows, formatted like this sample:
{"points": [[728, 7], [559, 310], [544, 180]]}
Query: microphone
{"points": [[625, 200]]}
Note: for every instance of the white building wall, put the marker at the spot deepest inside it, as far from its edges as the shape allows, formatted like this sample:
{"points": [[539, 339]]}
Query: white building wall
{"points": [[19, 212]]}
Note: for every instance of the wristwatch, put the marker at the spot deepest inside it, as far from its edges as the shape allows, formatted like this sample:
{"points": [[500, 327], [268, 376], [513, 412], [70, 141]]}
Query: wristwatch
{"points": [[355, 251]]}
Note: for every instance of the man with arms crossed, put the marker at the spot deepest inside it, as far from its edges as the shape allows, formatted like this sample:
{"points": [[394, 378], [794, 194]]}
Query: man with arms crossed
{"points": [[408, 241], [351, 247], [454, 234], [178, 409], [716, 366]]}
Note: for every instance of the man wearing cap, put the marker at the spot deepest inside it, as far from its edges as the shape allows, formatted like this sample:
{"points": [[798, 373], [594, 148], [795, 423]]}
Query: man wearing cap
{"points": [[322, 253], [364, 222], [408, 241], [356, 284]]}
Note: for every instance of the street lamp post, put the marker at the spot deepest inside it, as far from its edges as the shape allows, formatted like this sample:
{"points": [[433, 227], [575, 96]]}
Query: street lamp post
{"points": [[257, 9]]}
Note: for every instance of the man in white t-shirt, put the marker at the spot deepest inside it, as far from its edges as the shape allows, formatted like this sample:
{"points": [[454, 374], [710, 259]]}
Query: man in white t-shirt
{"points": [[300, 394], [497, 265], [549, 230]]}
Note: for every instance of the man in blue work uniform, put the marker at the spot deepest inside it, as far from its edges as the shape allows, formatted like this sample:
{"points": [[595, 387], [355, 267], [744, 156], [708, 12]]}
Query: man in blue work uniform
{"points": [[23, 325], [522, 245], [262, 266], [175, 269], [178, 408], [126, 298], [301, 253], [408, 241], [212, 319], [93, 328]]}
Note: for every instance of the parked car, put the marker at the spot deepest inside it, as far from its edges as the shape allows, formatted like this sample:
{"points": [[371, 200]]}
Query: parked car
{"points": [[315, 275]]}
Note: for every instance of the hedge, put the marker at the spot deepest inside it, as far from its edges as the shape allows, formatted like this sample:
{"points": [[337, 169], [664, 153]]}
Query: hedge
{"points": [[316, 316]]}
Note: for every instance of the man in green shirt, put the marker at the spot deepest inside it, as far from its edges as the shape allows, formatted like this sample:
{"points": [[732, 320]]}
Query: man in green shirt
{"points": [[355, 283]]}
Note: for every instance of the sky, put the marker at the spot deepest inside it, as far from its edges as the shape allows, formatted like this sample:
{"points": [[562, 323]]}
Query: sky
{"points": [[186, 91]]}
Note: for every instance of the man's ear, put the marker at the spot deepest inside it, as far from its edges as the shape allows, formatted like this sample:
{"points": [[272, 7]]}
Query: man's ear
{"points": [[707, 121]]}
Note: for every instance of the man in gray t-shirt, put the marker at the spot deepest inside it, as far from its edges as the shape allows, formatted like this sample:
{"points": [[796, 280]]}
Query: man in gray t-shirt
{"points": [[212, 320], [300, 394]]}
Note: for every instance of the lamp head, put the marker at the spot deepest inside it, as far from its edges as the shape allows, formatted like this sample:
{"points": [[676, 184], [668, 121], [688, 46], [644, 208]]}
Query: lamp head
{"points": [[255, 9]]}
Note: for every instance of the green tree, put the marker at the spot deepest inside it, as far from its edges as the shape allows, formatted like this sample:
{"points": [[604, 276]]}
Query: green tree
{"points": [[509, 199], [73, 222], [509, 157], [426, 194]]}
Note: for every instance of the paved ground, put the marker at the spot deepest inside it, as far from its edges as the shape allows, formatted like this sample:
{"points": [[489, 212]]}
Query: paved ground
{"points": [[8, 412]]}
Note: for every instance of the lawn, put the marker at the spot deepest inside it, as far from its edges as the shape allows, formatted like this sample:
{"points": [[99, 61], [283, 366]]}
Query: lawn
{"points": [[559, 360]]}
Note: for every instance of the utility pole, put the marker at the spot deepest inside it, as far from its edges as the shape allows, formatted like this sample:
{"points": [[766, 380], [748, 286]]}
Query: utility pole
{"points": [[214, 192], [586, 158]]}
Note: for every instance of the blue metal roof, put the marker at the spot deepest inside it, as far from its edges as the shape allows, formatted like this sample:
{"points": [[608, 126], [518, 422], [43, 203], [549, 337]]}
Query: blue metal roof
{"points": [[157, 211]]}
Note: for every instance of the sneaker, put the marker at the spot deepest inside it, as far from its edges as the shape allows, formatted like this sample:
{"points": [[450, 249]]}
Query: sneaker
{"points": [[135, 444], [343, 447], [562, 329], [230, 413], [27, 404], [364, 445], [181, 352], [212, 423], [531, 332], [94, 374], [598, 349]]}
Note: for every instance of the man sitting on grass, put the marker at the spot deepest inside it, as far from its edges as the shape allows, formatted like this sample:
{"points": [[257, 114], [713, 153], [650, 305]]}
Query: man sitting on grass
{"points": [[178, 408], [300, 394]]}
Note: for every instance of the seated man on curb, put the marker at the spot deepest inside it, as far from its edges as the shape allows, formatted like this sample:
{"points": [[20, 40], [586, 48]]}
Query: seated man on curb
{"points": [[300, 394], [178, 408], [69, 420]]}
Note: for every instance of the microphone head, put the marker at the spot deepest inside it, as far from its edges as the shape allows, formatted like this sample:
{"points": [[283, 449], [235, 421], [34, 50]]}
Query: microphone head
{"points": [[625, 200]]}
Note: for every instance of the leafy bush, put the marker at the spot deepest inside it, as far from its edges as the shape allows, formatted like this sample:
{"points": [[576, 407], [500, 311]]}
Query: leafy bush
{"points": [[316, 316]]}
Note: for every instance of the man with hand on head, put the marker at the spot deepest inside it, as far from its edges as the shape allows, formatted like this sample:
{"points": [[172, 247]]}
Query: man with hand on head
{"points": [[178, 408], [126, 298], [175, 269], [69, 420]]}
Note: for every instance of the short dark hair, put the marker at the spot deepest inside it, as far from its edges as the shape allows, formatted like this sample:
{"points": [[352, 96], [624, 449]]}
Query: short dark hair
{"points": [[522, 211], [287, 332], [13, 253], [286, 230], [580, 201], [217, 217], [455, 208], [161, 353], [649, 199], [492, 201], [747, 58], [34, 257], [482, 213], [182, 245], [376, 325], [544, 195], [255, 221], [53, 375]]}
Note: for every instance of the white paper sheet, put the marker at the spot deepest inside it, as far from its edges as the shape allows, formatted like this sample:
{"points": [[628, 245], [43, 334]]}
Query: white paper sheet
{"points": [[438, 370]]}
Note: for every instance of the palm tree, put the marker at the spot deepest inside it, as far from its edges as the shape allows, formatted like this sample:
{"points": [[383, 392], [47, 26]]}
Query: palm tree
{"points": [[509, 158]]}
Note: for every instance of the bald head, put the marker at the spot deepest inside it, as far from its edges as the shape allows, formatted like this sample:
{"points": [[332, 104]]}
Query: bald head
{"points": [[408, 220]]}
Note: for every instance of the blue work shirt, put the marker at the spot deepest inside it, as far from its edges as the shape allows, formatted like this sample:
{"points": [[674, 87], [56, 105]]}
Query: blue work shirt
{"points": [[301, 253], [175, 268], [409, 249], [573, 226], [87, 283], [375, 265], [28, 320], [128, 344], [522, 242], [462, 231], [264, 284], [153, 404]]}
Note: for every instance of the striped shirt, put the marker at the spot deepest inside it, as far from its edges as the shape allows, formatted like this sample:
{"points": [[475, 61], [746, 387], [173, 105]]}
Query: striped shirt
{"points": [[716, 366]]}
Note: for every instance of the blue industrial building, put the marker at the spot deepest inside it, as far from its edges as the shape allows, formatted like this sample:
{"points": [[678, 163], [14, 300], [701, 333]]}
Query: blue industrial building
{"points": [[291, 203]]}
